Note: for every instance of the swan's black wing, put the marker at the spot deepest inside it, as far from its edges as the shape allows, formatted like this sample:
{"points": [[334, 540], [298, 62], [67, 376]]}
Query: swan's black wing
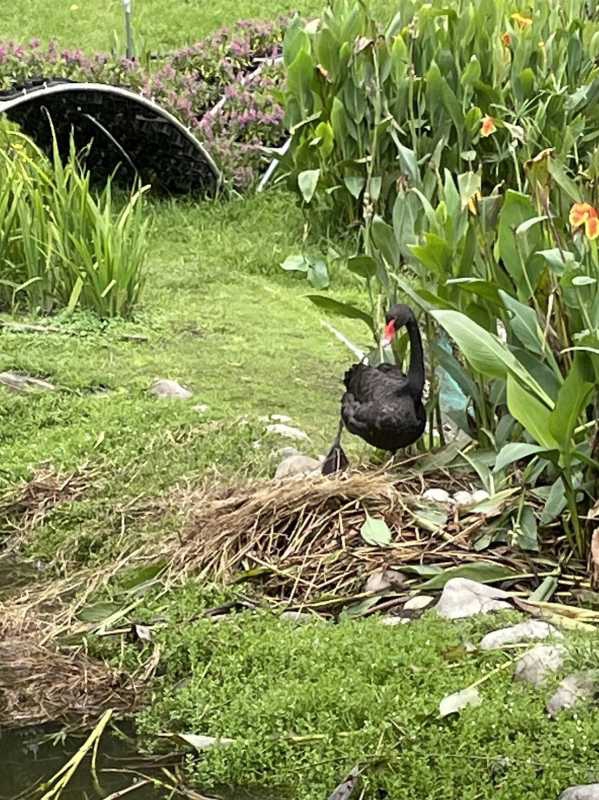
{"points": [[379, 408], [372, 384]]}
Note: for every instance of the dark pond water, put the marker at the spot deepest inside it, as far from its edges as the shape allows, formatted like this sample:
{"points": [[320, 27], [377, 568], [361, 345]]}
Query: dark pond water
{"points": [[29, 758]]}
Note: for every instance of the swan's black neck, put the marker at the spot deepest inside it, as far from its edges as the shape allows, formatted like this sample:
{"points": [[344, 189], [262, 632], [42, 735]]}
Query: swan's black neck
{"points": [[416, 368]]}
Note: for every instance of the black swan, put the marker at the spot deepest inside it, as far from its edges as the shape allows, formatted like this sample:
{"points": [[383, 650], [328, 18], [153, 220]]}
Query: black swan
{"points": [[382, 405]]}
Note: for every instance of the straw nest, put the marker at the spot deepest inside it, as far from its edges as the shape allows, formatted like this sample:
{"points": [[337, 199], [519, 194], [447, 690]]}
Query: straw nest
{"points": [[302, 539]]}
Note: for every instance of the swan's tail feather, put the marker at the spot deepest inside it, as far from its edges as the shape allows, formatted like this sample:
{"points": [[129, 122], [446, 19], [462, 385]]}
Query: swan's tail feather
{"points": [[335, 460]]}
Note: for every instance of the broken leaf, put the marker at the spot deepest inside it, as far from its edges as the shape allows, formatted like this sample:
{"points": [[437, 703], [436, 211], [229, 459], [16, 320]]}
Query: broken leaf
{"points": [[454, 703], [345, 790], [201, 743], [376, 532]]}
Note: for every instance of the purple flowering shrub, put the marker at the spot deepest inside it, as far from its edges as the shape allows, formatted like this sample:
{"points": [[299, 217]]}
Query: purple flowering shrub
{"points": [[188, 83]]}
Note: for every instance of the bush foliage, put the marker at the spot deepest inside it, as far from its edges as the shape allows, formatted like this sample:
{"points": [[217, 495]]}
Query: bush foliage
{"points": [[187, 82], [460, 143]]}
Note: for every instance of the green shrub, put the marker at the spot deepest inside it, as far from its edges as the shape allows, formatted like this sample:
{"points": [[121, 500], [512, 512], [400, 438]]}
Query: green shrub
{"points": [[62, 244], [488, 228], [474, 83]]}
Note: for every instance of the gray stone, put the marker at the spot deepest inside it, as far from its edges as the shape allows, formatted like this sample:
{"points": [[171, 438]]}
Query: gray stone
{"points": [[16, 382], [285, 452], [390, 619], [528, 631], [588, 792], [462, 597], [287, 432], [535, 666], [383, 579], [479, 496], [418, 602], [167, 389], [439, 496], [295, 465], [300, 616], [572, 690]]}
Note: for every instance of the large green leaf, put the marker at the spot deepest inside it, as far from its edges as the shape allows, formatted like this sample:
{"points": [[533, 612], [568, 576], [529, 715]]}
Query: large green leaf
{"points": [[383, 238], [484, 352], [513, 249], [300, 75], [307, 182], [523, 323], [340, 309], [435, 254], [481, 571], [364, 266], [572, 398], [514, 451], [530, 413]]}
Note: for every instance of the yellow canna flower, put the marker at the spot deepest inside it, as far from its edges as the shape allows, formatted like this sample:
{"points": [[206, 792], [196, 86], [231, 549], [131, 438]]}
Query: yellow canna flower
{"points": [[521, 21]]}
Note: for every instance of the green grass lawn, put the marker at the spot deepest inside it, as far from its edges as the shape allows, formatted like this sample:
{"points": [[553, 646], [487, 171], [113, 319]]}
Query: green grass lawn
{"points": [[220, 317], [159, 25], [306, 703]]}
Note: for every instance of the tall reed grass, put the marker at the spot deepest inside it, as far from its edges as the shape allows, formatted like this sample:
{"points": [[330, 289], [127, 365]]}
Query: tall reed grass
{"points": [[64, 244]]}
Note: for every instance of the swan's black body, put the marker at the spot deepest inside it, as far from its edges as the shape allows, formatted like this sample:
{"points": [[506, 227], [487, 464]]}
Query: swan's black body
{"points": [[382, 405]]}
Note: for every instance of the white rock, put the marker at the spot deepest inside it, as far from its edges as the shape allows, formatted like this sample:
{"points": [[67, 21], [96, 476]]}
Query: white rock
{"points": [[572, 690], [439, 496], [392, 620], [201, 408], [462, 597], [535, 666], [479, 496], [280, 418], [590, 791], [462, 499], [15, 382], [296, 465], [527, 631], [166, 389], [287, 432], [418, 602]]}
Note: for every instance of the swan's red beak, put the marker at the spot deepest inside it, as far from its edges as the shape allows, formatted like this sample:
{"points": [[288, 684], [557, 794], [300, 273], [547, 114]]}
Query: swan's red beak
{"points": [[389, 333]]}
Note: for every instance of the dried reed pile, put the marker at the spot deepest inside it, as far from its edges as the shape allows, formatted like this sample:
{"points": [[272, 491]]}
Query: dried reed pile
{"points": [[302, 539], [40, 683]]}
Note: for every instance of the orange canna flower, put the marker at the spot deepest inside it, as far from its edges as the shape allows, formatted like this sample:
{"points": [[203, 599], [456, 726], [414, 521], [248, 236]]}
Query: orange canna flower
{"points": [[579, 213], [521, 21], [506, 39], [591, 226], [584, 214], [487, 126]]}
